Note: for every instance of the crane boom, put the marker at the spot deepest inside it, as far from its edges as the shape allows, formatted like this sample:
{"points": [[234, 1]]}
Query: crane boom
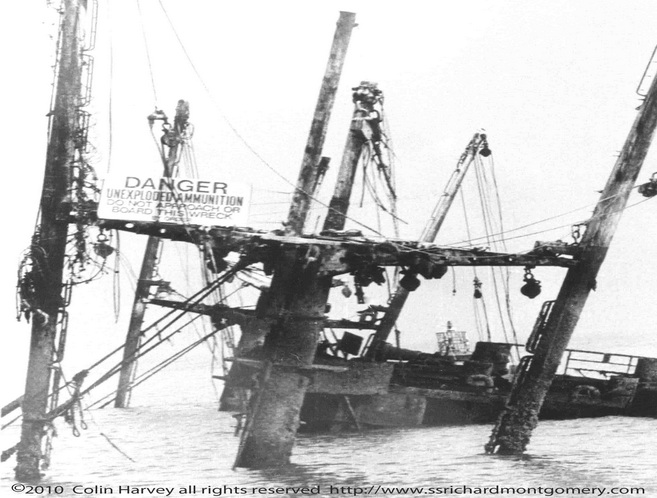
{"points": [[478, 144]]}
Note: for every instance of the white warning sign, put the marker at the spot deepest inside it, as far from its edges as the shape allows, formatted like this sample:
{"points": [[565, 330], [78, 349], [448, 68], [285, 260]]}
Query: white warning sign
{"points": [[187, 201]]}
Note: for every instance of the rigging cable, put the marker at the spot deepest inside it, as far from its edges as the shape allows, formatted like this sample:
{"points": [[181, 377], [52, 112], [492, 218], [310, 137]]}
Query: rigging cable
{"points": [[504, 270], [148, 53], [488, 228], [195, 299], [391, 180], [227, 334], [568, 225], [241, 138], [111, 87], [116, 280], [483, 257], [476, 279], [148, 374], [483, 237], [115, 369]]}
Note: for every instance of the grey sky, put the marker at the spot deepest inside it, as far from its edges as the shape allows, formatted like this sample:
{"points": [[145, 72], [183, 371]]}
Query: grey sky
{"points": [[551, 82]]}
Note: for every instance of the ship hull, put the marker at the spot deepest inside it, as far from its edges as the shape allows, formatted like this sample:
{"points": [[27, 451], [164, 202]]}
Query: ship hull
{"points": [[407, 394]]}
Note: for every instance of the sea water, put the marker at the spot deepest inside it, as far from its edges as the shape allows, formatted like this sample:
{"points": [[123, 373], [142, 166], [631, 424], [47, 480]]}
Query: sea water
{"points": [[174, 438]]}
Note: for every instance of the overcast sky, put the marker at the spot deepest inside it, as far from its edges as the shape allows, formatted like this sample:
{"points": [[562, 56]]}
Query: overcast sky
{"points": [[552, 82]]}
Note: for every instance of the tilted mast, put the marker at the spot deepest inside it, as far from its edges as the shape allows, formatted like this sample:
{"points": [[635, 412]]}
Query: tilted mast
{"points": [[311, 166], [172, 139], [364, 125], [516, 423], [295, 304], [294, 309]]}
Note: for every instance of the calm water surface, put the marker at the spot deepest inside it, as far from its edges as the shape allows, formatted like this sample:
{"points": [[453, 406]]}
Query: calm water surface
{"points": [[176, 437], [194, 445]]}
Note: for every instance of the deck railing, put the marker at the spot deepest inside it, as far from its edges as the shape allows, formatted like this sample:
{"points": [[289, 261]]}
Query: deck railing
{"points": [[583, 363]]}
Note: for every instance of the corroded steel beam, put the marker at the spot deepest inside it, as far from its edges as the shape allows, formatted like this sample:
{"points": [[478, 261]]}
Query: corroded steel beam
{"points": [[344, 253], [238, 315]]}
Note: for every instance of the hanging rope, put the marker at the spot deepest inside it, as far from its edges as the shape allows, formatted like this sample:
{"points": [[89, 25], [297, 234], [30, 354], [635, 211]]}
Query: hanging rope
{"points": [[241, 138], [475, 302], [391, 180], [504, 270], [488, 228], [477, 240], [116, 280]]}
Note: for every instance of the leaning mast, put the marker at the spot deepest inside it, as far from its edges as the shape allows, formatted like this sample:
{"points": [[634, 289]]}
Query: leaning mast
{"points": [[173, 137], [296, 302], [312, 166], [516, 423]]}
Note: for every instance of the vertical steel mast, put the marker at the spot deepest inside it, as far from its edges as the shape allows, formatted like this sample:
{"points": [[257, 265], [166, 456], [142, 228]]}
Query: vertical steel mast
{"points": [[49, 249]]}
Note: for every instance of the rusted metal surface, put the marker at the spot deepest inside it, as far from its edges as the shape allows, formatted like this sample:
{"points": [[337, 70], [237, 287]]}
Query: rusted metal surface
{"points": [[298, 297], [51, 243], [392, 410], [311, 167], [343, 253], [514, 428], [360, 132], [363, 378], [240, 316], [13, 405]]}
